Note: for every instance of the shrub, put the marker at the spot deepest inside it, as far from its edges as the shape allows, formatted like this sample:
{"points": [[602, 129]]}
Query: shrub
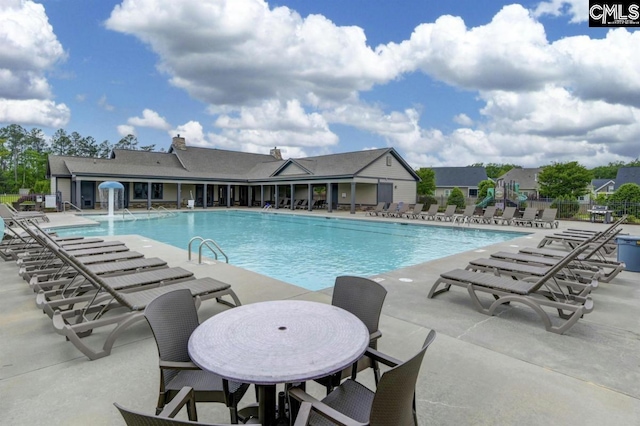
{"points": [[457, 198], [427, 200]]}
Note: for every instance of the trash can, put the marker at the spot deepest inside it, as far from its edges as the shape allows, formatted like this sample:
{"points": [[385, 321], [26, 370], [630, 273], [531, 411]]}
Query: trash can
{"points": [[629, 252]]}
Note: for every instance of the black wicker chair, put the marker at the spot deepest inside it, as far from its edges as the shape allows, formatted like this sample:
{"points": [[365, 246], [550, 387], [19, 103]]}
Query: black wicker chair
{"points": [[392, 404], [363, 298], [172, 318]]}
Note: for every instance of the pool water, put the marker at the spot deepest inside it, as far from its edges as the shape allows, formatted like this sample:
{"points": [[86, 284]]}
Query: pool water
{"points": [[306, 251]]}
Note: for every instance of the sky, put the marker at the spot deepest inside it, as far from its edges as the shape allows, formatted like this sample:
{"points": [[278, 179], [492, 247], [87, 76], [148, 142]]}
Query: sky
{"points": [[445, 83]]}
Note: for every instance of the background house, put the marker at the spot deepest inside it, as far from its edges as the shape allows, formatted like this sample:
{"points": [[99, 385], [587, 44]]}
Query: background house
{"points": [[527, 179], [464, 178], [627, 175], [215, 177]]}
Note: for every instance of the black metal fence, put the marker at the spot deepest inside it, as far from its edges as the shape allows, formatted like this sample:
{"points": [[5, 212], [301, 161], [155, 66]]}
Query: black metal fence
{"points": [[573, 210]]}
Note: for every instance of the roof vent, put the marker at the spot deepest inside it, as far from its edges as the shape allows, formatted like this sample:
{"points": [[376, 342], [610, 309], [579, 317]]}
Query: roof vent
{"points": [[275, 153], [179, 143]]}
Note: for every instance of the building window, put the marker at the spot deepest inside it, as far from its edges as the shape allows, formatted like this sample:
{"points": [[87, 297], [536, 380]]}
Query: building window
{"points": [[140, 191], [473, 193], [156, 191], [611, 188], [388, 160], [447, 192]]}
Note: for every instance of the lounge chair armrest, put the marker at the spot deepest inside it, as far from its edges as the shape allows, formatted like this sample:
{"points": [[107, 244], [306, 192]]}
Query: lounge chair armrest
{"points": [[322, 409], [185, 396], [375, 335], [178, 365], [382, 358]]}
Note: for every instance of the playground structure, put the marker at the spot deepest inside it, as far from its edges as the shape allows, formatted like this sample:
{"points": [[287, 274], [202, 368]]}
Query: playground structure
{"points": [[508, 195]]}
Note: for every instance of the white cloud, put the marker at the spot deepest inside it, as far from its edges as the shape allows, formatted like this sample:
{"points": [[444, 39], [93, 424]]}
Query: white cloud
{"points": [[29, 49], [34, 112], [577, 9], [509, 53], [463, 120], [271, 77], [125, 129], [257, 129], [193, 133], [150, 119], [241, 52], [102, 103]]}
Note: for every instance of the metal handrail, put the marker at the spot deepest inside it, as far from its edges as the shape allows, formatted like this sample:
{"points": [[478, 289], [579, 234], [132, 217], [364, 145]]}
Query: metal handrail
{"points": [[205, 243], [64, 203], [125, 210], [161, 213], [169, 212]]}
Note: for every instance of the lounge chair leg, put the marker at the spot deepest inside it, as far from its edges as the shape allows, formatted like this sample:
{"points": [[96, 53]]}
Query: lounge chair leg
{"points": [[433, 292]]}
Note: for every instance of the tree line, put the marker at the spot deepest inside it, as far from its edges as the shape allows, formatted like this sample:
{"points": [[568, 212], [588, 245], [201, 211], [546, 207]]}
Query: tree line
{"points": [[24, 153]]}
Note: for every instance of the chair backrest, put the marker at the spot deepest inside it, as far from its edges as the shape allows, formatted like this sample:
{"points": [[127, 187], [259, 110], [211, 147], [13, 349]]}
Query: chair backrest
{"points": [[5, 212], [560, 266], [433, 209], [489, 211], [468, 210], [135, 418], [172, 317], [393, 401], [530, 213], [601, 243], [360, 296], [450, 210], [508, 212], [418, 208], [549, 215]]}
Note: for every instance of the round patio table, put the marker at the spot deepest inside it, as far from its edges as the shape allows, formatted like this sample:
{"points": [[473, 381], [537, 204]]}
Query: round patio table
{"points": [[278, 342]]}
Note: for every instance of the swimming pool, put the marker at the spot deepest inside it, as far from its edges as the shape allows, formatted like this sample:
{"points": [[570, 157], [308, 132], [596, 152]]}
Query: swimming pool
{"points": [[306, 251]]}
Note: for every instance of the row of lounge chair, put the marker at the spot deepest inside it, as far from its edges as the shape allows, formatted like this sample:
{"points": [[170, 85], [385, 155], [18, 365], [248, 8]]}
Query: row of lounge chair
{"points": [[541, 278], [529, 217], [301, 204], [9, 214], [84, 284]]}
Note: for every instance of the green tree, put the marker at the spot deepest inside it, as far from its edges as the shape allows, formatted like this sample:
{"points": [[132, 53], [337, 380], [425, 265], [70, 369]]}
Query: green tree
{"points": [[427, 185], [564, 180], [626, 200], [104, 149], [128, 142], [457, 197], [495, 170], [148, 148], [607, 172], [483, 188], [629, 192]]}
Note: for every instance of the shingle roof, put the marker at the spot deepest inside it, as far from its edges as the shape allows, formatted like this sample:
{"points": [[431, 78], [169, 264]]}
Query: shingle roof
{"points": [[459, 176], [627, 175], [526, 178], [599, 183], [207, 163]]}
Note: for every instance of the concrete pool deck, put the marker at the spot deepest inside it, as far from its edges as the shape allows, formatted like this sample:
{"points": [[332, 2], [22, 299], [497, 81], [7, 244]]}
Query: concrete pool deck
{"points": [[499, 370]]}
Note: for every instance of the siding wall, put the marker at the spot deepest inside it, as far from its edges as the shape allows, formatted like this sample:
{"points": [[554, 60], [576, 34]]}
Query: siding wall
{"points": [[405, 191], [379, 169], [64, 186]]}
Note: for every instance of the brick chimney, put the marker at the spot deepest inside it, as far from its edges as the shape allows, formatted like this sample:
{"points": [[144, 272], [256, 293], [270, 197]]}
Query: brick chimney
{"points": [[275, 153], [179, 143]]}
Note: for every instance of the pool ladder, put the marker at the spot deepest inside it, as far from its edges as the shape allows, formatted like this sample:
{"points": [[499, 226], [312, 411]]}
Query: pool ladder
{"points": [[206, 243]]}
